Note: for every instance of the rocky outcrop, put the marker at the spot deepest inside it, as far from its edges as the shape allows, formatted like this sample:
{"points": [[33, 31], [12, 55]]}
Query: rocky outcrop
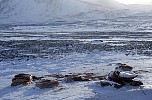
{"points": [[83, 77], [124, 75], [121, 76], [124, 67], [70, 78], [104, 83], [47, 84], [22, 79]]}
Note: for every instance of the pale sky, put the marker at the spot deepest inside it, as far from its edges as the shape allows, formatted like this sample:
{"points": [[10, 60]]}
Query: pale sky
{"points": [[135, 1]]}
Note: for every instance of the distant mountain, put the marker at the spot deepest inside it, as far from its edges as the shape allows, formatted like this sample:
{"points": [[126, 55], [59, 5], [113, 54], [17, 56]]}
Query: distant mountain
{"points": [[111, 4], [46, 11]]}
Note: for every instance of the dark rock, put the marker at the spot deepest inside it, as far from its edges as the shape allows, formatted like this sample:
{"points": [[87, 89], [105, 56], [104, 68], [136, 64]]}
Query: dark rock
{"points": [[22, 75], [77, 78], [99, 77], [140, 71], [118, 86], [124, 75], [89, 77], [136, 83], [70, 78], [103, 83], [125, 67], [116, 77], [89, 74], [15, 84], [110, 83], [56, 75], [81, 78], [20, 83], [47, 84], [22, 79], [36, 78]]}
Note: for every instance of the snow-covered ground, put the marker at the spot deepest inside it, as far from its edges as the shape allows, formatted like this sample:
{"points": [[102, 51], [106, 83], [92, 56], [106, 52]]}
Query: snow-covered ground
{"points": [[43, 37], [42, 54], [139, 22]]}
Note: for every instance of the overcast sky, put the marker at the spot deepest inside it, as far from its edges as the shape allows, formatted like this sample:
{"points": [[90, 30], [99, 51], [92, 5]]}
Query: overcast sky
{"points": [[130, 1], [135, 1]]}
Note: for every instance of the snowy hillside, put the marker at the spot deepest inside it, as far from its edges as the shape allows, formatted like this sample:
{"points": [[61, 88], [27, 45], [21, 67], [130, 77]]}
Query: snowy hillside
{"points": [[43, 11]]}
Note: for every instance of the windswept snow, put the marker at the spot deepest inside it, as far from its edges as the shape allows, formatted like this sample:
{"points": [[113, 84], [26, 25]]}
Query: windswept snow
{"points": [[99, 62], [74, 53]]}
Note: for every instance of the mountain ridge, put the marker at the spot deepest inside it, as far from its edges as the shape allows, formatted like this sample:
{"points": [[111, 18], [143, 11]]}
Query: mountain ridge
{"points": [[45, 11]]}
